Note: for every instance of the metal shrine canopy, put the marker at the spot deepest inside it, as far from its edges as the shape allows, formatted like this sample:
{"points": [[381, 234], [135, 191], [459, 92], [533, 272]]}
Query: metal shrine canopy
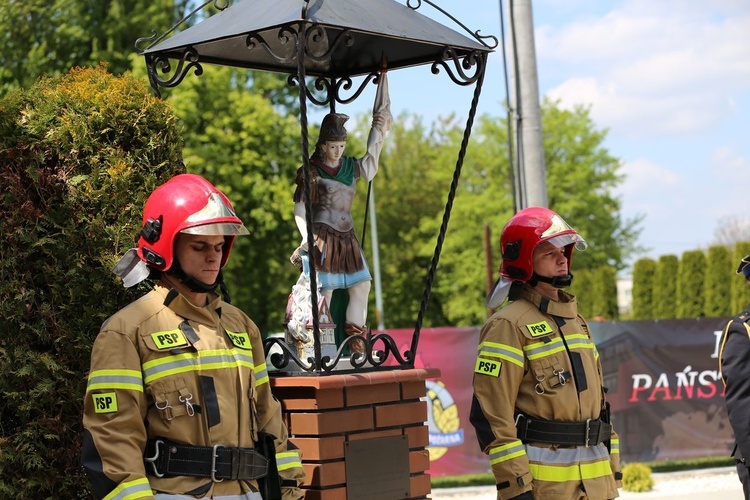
{"points": [[343, 38], [331, 40]]}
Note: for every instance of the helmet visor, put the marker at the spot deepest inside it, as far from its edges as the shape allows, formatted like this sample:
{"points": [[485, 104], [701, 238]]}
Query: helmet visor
{"points": [[564, 240], [560, 234], [218, 229]]}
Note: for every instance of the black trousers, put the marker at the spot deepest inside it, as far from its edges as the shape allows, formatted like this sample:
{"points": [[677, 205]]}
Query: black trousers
{"points": [[744, 476]]}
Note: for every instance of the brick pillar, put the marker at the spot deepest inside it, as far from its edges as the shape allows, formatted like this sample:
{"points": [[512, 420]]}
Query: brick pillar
{"points": [[324, 413]]}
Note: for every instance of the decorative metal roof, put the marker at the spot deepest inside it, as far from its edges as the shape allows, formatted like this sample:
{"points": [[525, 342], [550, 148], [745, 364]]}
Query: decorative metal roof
{"points": [[332, 41], [343, 37]]}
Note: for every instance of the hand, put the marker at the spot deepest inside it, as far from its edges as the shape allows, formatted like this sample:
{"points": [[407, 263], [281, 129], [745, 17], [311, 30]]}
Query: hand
{"points": [[296, 258]]}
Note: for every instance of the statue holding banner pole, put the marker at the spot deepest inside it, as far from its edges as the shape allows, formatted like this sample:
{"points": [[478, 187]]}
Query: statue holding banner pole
{"points": [[339, 260]]}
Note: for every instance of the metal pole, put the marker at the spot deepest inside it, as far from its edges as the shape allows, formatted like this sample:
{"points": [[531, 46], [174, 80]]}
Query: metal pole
{"points": [[530, 116], [376, 262]]}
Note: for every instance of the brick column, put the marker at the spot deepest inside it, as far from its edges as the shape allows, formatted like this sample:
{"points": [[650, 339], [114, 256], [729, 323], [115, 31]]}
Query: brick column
{"points": [[324, 413]]}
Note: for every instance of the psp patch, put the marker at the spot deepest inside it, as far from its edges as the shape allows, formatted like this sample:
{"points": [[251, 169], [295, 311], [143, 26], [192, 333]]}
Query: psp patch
{"points": [[169, 339], [539, 329], [488, 367], [241, 339], [105, 403]]}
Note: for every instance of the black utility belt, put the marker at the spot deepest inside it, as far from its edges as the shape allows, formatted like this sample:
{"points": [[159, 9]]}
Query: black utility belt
{"points": [[588, 433], [218, 462]]}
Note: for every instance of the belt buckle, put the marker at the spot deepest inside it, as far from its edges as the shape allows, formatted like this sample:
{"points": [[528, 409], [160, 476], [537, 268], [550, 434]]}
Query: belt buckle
{"points": [[588, 428], [214, 456], [152, 460]]}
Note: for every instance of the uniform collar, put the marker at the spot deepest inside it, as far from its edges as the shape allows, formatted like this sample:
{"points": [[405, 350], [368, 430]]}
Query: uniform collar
{"points": [[566, 307], [180, 305]]}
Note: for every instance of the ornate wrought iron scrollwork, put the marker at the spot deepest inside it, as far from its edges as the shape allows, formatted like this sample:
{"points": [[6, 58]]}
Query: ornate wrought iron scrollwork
{"points": [[332, 90], [494, 41], [317, 45], [319, 48], [285, 35], [281, 359], [460, 76], [321, 84], [372, 359], [346, 85], [160, 63]]}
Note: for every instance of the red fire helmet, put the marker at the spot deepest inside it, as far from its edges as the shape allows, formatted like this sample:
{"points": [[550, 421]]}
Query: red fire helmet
{"points": [[527, 229], [186, 203]]}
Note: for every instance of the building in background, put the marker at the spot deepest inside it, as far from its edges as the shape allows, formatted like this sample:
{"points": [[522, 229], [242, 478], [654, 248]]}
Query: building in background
{"points": [[625, 296]]}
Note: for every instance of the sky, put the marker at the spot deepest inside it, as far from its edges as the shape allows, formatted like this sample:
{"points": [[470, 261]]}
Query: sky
{"points": [[669, 80]]}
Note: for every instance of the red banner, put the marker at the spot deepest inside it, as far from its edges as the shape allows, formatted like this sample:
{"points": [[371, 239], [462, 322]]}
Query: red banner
{"points": [[663, 380]]}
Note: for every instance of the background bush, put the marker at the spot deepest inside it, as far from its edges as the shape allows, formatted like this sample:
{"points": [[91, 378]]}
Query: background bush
{"points": [[637, 478], [79, 153]]}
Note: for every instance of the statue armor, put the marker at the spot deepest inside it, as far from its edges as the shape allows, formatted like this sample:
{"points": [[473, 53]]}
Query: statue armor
{"points": [[334, 204]]}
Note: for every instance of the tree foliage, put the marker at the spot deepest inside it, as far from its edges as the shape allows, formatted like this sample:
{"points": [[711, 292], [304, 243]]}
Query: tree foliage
{"points": [[583, 288], [80, 153], [690, 284], [718, 282], [417, 168], [665, 287], [48, 37], [644, 273], [581, 177], [604, 291]]}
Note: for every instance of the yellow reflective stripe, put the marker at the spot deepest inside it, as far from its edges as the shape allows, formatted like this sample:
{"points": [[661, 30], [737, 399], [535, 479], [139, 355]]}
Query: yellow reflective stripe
{"points": [[557, 474], [202, 360], [579, 341], [506, 452], [261, 374], [288, 460], [115, 379], [614, 446], [502, 351], [540, 349], [131, 490]]}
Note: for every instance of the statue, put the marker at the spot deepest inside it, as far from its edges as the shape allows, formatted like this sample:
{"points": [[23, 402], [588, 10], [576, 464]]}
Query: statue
{"points": [[339, 259]]}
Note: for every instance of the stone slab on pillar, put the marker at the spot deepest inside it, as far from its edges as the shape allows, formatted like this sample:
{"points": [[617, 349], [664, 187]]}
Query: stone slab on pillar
{"points": [[326, 412]]}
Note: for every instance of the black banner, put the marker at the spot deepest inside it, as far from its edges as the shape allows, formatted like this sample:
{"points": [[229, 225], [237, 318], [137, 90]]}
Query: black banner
{"points": [[664, 387]]}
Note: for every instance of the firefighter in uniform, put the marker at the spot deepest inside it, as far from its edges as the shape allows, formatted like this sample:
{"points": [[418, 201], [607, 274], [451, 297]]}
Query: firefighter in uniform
{"points": [[539, 406], [178, 403], [734, 366]]}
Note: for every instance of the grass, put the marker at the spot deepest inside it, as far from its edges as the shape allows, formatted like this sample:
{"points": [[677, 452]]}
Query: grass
{"points": [[663, 466]]}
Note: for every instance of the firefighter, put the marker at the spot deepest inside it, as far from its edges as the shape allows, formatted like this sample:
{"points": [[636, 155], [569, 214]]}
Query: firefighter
{"points": [[178, 403], [539, 406], [734, 366]]}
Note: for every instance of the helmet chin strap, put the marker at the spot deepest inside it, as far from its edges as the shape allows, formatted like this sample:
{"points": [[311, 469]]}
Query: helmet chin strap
{"points": [[563, 281], [191, 282]]}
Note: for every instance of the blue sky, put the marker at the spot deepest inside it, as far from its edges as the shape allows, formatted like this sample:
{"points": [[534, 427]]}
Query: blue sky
{"points": [[669, 79]]}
